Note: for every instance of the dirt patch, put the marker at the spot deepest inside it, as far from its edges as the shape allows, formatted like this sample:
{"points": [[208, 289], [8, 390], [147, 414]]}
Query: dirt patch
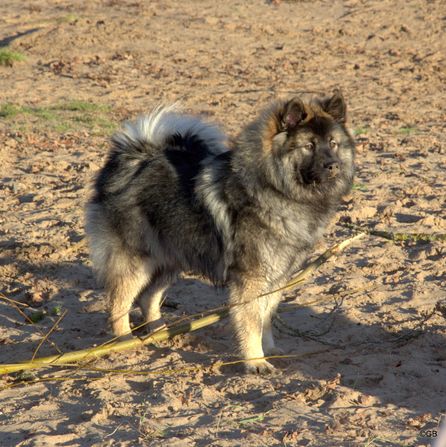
{"points": [[374, 373]]}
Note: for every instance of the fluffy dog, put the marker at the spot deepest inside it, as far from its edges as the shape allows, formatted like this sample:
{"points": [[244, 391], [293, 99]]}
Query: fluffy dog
{"points": [[174, 196]]}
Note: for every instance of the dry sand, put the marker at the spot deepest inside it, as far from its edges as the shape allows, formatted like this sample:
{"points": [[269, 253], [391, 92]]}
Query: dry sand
{"points": [[380, 379]]}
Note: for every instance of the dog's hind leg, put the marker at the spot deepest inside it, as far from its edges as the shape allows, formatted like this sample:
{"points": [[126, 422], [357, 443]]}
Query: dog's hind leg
{"points": [[151, 298], [270, 303], [126, 277], [122, 271]]}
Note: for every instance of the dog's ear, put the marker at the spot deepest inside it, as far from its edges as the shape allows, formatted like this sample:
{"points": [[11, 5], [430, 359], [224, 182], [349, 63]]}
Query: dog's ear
{"points": [[293, 113], [335, 106]]}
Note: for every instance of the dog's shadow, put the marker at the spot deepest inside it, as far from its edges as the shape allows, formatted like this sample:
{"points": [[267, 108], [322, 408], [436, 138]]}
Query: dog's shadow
{"points": [[369, 358], [49, 288]]}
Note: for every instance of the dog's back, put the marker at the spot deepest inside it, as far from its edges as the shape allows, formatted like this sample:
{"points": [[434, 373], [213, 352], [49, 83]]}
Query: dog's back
{"points": [[185, 140]]}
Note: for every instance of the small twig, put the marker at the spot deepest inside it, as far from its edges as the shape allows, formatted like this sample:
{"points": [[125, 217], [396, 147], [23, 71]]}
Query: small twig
{"points": [[17, 308], [311, 335], [28, 319], [351, 12], [11, 301], [417, 330], [342, 295], [397, 237], [287, 329], [114, 431], [61, 317]]}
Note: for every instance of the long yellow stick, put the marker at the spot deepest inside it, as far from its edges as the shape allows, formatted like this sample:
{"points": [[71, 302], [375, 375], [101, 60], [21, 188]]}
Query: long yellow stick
{"points": [[164, 334], [91, 353]]}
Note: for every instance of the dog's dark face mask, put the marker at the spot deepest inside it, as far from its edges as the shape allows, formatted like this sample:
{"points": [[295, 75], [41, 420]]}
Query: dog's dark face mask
{"points": [[313, 149], [316, 154]]}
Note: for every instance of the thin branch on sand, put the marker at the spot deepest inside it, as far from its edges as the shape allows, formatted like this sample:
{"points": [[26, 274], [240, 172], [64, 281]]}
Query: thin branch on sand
{"points": [[53, 328], [397, 237]]}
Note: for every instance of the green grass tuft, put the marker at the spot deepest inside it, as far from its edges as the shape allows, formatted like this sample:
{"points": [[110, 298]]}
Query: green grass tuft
{"points": [[37, 316], [83, 106], [360, 131], [56, 310], [73, 115], [407, 130], [69, 18], [8, 57], [359, 187], [9, 110], [43, 113]]}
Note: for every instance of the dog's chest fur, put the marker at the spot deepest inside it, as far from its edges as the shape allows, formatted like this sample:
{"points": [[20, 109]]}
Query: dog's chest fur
{"points": [[283, 238], [267, 235]]}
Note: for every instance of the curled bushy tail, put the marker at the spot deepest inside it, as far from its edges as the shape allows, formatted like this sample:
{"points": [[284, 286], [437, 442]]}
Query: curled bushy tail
{"points": [[152, 131]]}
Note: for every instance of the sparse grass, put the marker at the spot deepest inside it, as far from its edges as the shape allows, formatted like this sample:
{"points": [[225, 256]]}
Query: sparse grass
{"points": [[84, 119], [56, 310], [360, 131], [407, 130], [359, 187], [251, 420], [69, 18], [37, 316], [63, 127], [43, 113], [8, 57], [72, 115], [9, 110], [83, 106], [145, 429]]}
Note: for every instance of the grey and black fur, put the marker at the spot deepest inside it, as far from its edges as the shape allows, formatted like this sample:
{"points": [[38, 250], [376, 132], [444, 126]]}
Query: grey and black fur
{"points": [[174, 196]]}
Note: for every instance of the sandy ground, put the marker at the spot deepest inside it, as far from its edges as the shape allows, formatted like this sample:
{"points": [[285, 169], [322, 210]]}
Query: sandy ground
{"points": [[374, 369]]}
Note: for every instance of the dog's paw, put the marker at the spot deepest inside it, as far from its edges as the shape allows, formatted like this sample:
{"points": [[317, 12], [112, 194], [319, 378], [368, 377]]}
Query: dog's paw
{"points": [[258, 367]]}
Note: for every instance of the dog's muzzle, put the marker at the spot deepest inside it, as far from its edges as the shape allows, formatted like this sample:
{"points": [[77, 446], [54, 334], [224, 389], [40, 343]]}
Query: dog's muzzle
{"points": [[332, 169]]}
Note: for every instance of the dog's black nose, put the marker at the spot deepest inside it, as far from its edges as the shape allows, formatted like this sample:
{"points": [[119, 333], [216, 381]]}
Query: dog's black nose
{"points": [[332, 169]]}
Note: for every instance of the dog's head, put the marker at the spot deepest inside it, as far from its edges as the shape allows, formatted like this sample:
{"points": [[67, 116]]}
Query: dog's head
{"points": [[306, 147]]}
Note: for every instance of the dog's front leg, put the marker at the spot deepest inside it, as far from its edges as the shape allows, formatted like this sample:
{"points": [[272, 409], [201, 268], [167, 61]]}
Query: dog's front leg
{"points": [[247, 313]]}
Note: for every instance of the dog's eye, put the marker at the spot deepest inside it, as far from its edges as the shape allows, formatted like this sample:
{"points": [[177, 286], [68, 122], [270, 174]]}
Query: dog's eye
{"points": [[309, 146], [333, 144]]}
